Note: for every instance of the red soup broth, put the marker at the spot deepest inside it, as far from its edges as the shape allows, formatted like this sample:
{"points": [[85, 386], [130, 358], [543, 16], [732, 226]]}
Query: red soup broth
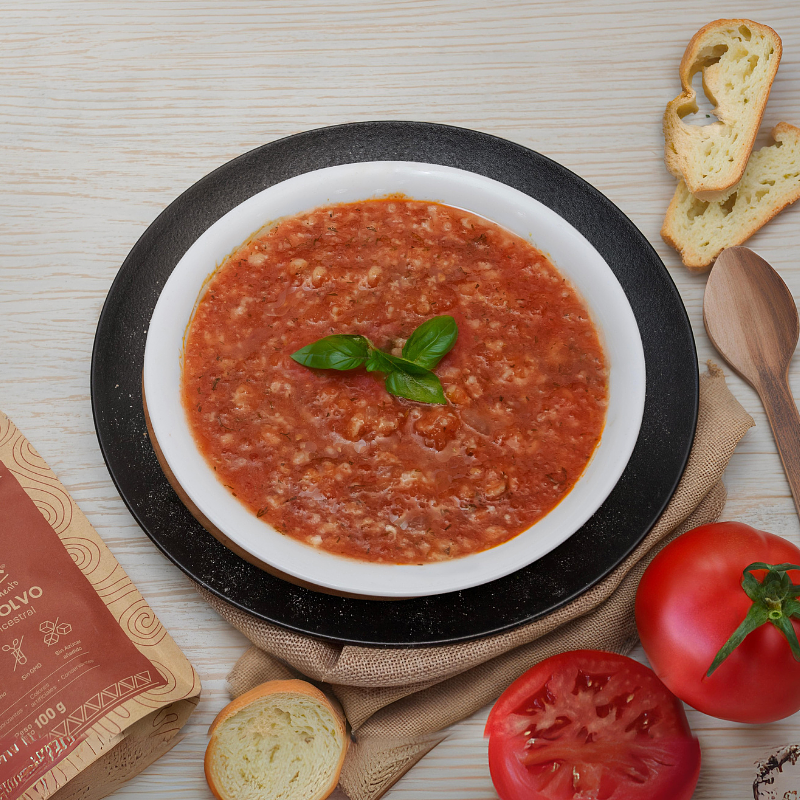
{"points": [[330, 458]]}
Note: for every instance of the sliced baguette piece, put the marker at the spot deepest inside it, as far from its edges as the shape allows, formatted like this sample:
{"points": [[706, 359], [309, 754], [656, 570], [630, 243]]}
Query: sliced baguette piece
{"points": [[283, 740], [699, 230], [739, 59]]}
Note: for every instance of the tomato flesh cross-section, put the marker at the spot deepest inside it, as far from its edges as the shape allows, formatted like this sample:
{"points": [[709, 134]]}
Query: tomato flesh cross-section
{"points": [[589, 725]]}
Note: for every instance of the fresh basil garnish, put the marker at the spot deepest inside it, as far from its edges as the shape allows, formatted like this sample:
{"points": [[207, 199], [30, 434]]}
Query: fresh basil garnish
{"points": [[379, 361], [341, 351], [409, 376], [431, 341], [425, 388]]}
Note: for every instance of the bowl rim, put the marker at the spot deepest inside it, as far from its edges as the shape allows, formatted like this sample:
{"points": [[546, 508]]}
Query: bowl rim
{"points": [[336, 573]]}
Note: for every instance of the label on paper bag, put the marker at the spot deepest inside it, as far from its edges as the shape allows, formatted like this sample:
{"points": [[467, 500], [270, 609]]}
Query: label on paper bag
{"points": [[65, 663]]}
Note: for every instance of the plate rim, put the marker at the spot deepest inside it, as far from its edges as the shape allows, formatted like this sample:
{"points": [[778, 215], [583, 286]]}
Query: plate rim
{"points": [[163, 218]]}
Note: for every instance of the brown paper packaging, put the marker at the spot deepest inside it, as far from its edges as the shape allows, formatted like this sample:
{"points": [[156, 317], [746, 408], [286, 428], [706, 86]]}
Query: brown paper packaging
{"points": [[92, 688]]}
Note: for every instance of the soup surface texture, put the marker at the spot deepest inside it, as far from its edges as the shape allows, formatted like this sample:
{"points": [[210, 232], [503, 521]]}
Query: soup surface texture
{"points": [[333, 460]]}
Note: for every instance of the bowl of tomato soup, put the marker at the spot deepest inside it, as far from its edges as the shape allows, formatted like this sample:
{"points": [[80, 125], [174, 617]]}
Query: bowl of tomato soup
{"points": [[325, 476]]}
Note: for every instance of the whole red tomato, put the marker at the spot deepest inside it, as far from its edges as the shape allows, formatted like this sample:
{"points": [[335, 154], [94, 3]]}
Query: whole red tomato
{"points": [[689, 603], [588, 724]]}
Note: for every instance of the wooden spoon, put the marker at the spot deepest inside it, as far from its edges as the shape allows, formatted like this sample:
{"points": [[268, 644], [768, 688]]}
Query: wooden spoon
{"points": [[751, 318]]}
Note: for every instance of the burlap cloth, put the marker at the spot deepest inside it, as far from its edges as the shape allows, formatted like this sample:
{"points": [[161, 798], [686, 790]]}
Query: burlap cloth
{"points": [[398, 701]]}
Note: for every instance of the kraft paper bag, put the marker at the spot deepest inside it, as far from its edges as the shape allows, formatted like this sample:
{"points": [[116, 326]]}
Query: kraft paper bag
{"points": [[92, 688]]}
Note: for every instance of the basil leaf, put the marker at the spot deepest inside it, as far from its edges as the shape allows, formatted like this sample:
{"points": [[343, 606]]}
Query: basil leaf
{"points": [[408, 377], [431, 341], [424, 388], [379, 361], [340, 351]]}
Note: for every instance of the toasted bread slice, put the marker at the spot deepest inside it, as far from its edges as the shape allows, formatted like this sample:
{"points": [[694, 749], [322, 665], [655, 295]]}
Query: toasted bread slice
{"points": [[739, 59], [701, 229], [283, 740]]}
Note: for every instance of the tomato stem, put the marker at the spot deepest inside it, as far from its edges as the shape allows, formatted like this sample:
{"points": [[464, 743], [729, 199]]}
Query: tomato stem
{"points": [[774, 600]]}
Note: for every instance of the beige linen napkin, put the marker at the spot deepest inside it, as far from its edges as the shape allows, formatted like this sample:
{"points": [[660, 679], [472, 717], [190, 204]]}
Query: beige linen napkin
{"points": [[397, 701]]}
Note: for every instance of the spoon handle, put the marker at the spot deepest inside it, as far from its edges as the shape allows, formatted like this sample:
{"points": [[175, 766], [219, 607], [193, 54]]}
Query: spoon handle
{"points": [[785, 421]]}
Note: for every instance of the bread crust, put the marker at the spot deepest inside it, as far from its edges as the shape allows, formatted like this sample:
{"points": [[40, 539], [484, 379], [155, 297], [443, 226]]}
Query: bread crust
{"points": [[289, 687], [679, 138], [698, 261]]}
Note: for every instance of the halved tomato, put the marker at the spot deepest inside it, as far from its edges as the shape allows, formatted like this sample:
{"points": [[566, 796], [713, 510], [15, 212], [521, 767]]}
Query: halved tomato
{"points": [[591, 725]]}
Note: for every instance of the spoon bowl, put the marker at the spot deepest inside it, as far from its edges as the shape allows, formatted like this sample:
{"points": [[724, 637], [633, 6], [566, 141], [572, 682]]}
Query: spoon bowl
{"points": [[750, 315], [751, 318]]}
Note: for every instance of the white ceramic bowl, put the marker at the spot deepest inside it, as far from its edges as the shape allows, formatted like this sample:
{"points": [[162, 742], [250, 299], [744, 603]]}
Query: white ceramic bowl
{"points": [[569, 251]]}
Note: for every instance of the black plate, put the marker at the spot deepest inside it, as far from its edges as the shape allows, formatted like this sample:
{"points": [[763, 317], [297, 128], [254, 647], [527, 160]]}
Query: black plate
{"points": [[644, 489]]}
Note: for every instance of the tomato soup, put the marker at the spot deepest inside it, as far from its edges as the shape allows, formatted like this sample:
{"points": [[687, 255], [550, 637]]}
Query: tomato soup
{"points": [[333, 460]]}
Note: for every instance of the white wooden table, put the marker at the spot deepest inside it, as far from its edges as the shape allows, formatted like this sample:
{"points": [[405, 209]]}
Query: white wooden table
{"points": [[108, 110]]}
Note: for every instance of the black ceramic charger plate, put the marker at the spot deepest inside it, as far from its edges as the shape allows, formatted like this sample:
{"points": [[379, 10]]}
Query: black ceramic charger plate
{"points": [[643, 490]]}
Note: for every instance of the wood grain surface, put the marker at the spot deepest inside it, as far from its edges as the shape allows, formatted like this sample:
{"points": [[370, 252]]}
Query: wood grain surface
{"points": [[108, 110]]}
